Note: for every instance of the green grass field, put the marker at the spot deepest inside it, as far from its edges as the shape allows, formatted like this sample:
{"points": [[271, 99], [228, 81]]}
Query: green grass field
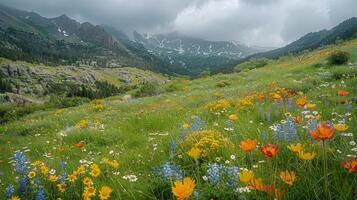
{"points": [[150, 137]]}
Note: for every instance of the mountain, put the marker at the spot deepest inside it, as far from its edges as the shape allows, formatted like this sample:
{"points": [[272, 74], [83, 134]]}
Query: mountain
{"points": [[190, 55], [345, 30], [62, 40]]}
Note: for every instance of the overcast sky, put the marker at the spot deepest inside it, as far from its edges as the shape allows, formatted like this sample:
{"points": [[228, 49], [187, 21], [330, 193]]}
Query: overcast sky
{"points": [[254, 22]]}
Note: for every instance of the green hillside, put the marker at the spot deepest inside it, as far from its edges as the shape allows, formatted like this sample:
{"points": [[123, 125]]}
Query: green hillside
{"points": [[143, 145]]}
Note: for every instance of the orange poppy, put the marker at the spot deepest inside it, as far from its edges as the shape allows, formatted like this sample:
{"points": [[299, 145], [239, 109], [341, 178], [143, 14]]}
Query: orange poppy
{"points": [[248, 145], [80, 144], [269, 150], [342, 92], [350, 165], [301, 101], [323, 132]]}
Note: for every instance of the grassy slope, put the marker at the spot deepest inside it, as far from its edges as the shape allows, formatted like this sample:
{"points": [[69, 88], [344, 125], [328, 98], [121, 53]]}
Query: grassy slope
{"points": [[131, 129]]}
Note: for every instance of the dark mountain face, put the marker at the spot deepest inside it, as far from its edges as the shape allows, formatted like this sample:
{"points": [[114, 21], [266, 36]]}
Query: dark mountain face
{"points": [[62, 40], [345, 30]]}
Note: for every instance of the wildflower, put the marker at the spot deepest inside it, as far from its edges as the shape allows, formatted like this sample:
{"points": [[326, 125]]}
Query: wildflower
{"points": [[342, 92], [80, 144], [182, 190], [310, 106], [72, 177], [322, 132], [233, 117], [288, 177], [44, 169], [15, 198], [81, 169], [301, 101], [31, 174], [87, 181], [269, 150], [248, 145], [104, 192], [246, 176], [256, 184], [95, 171], [61, 187], [350, 165], [295, 148], [185, 126], [10, 190], [306, 156], [53, 178], [340, 127], [277, 97], [194, 153], [214, 173], [169, 171], [89, 192], [37, 163]]}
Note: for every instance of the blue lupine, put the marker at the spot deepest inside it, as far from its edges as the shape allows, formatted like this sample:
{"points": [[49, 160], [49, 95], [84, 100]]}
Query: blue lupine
{"points": [[198, 124], [214, 173], [64, 175], [40, 194], [10, 190], [24, 187], [20, 163], [169, 171], [232, 176], [285, 131]]}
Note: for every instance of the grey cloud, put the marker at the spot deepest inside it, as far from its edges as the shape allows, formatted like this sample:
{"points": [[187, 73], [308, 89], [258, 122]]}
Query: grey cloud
{"points": [[255, 22]]}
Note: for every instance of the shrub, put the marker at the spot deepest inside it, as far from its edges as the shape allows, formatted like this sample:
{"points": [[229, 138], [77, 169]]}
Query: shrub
{"points": [[253, 63], [339, 57], [222, 83], [148, 89], [173, 86], [65, 102]]}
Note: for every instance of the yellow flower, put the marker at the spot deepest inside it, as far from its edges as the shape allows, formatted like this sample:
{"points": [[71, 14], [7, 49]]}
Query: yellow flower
{"points": [[95, 172], [233, 117], [31, 174], [14, 198], [340, 127], [81, 169], [246, 176], [87, 181], [61, 187], [306, 156], [104, 192], [53, 178], [185, 126], [194, 153], [288, 177], [44, 169], [310, 106], [89, 192], [37, 163], [72, 177], [114, 164], [296, 148], [182, 190]]}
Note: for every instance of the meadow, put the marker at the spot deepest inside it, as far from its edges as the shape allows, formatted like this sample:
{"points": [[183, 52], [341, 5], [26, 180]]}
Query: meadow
{"points": [[283, 131]]}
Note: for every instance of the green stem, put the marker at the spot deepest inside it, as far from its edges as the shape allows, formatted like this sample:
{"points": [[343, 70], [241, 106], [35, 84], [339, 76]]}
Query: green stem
{"points": [[325, 170]]}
